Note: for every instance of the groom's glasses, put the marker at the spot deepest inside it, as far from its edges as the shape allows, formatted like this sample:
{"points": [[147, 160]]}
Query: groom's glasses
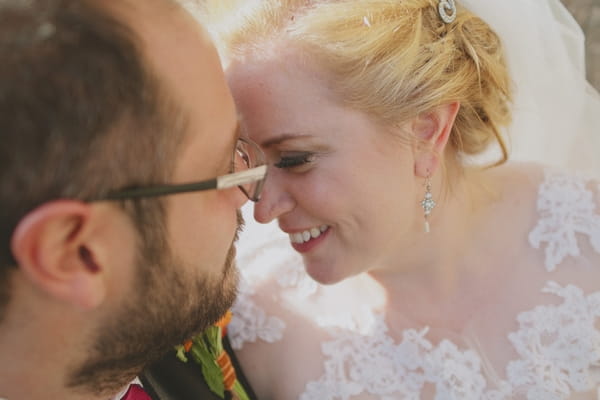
{"points": [[248, 173]]}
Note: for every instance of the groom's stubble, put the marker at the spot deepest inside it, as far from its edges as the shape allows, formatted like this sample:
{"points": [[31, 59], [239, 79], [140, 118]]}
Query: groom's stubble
{"points": [[165, 308]]}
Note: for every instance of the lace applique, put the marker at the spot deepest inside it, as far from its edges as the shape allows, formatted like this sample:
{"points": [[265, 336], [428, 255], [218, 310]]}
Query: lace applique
{"points": [[559, 341], [358, 363], [566, 208], [558, 346], [264, 252], [361, 320], [250, 322]]}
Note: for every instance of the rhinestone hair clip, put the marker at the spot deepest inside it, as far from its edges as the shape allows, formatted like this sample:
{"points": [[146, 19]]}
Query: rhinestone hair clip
{"points": [[447, 10]]}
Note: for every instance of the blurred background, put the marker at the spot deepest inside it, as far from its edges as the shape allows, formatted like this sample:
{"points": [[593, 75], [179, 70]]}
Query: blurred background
{"points": [[587, 13]]}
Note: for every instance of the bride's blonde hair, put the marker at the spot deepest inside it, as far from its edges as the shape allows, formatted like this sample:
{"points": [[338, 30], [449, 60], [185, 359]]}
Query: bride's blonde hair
{"points": [[392, 59]]}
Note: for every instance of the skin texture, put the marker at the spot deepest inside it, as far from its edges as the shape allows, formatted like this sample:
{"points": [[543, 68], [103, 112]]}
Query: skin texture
{"points": [[352, 160], [105, 302]]}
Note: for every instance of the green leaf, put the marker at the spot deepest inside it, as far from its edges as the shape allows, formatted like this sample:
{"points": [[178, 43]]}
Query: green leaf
{"points": [[205, 350], [240, 391], [210, 369], [218, 340], [212, 337], [181, 353]]}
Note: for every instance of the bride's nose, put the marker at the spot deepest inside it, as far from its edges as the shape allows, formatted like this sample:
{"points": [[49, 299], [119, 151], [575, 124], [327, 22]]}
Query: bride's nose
{"points": [[275, 200]]}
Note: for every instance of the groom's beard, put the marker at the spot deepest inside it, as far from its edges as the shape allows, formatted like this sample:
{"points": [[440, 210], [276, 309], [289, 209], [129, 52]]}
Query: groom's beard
{"points": [[166, 308]]}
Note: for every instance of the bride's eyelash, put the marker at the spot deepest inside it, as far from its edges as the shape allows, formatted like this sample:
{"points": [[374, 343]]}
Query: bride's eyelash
{"points": [[295, 161]]}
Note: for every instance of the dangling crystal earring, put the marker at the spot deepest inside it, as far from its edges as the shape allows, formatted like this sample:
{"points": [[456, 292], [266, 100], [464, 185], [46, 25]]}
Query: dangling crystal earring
{"points": [[428, 203]]}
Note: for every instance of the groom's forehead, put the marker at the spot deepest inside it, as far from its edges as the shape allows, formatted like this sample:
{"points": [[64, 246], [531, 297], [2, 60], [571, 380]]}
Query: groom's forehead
{"points": [[148, 18], [177, 51], [175, 46], [158, 23]]}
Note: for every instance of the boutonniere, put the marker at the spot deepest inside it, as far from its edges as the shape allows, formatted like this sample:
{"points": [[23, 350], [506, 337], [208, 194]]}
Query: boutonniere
{"points": [[207, 350]]}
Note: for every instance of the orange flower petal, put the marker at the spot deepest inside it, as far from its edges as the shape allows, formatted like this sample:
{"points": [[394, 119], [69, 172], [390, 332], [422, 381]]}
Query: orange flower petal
{"points": [[224, 321]]}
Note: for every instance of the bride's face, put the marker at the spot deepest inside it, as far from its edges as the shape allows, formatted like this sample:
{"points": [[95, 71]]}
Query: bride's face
{"points": [[340, 185]]}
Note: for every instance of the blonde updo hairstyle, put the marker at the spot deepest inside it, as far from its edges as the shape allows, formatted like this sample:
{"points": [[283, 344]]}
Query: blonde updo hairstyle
{"points": [[392, 59]]}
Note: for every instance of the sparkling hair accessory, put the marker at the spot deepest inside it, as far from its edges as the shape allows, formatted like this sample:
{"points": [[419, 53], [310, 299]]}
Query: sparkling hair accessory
{"points": [[447, 10]]}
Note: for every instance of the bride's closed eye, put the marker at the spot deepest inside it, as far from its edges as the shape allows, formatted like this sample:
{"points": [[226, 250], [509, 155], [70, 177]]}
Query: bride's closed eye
{"points": [[295, 161]]}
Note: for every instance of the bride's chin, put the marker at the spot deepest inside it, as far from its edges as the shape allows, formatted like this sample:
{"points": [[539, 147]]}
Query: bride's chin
{"points": [[324, 274]]}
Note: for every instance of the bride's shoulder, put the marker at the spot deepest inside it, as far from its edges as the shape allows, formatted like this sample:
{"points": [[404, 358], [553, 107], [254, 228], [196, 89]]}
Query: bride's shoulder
{"points": [[559, 192], [559, 187], [556, 210], [565, 225]]}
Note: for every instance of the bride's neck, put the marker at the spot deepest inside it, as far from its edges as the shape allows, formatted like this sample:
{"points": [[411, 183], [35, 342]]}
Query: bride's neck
{"points": [[443, 260]]}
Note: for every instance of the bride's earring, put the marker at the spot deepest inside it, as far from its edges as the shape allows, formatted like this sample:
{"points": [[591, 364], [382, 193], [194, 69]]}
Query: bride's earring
{"points": [[427, 203]]}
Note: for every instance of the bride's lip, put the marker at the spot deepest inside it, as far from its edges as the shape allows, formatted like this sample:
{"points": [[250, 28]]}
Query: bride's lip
{"points": [[312, 243]]}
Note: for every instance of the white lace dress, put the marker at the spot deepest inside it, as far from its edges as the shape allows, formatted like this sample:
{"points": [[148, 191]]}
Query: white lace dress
{"points": [[313, 342]]}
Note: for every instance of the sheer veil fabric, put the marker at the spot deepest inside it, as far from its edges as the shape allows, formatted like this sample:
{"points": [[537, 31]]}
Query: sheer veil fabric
{"points": [[556, 111]]}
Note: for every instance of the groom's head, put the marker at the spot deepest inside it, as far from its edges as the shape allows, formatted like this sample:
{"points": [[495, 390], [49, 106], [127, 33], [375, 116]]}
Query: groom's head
{"points": [[98, 97]]}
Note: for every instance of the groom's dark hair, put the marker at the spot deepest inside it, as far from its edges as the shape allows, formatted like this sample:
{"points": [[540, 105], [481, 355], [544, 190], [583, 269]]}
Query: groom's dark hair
{"points": [[81, 114]]}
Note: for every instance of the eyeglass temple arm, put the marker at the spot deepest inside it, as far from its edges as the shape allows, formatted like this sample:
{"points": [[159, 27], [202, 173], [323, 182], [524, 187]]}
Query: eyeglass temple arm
{"points": [[240, 178], [161, 190], [222, 182]]}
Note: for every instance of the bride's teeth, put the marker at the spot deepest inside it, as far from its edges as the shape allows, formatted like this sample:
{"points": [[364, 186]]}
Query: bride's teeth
{"points": [[313, 233]]}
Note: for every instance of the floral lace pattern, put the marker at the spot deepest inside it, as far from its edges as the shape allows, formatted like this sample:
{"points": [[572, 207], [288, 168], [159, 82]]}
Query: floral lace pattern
{"points": [[267, 253], [374, 364], [252, 322], [557, 346], [566, 207]]}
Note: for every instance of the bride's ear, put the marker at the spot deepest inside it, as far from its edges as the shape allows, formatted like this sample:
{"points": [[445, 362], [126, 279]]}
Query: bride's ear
{"points": [[431, 132]]}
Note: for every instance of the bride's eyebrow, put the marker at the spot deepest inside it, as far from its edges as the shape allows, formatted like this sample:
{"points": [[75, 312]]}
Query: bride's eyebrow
{"points": [[277, 140]]}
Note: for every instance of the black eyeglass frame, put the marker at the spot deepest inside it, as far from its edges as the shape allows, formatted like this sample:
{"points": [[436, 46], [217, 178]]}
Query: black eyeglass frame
{"points": [[254, 174]]}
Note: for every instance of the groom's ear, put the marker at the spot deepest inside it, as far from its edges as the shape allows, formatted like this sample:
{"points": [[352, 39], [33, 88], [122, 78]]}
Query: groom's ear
{"points": [[431, 131], [69, 249]]}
